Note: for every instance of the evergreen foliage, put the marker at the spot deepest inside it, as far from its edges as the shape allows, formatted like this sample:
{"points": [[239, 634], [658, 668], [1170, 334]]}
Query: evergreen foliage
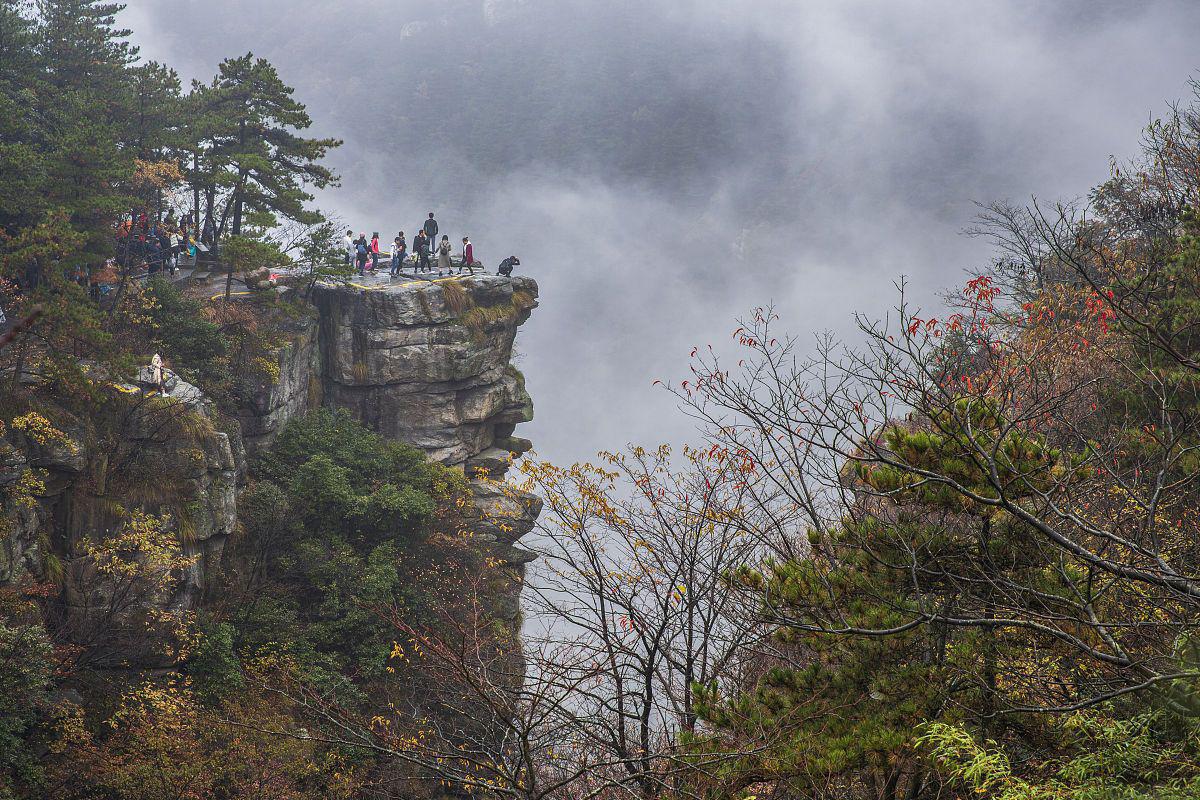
{"points": [[334, 512]]}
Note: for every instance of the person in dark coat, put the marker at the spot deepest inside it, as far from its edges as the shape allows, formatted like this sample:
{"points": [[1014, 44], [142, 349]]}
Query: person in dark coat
{"points": [[399, 251], [154, 251], [362, 252], [421, 248], [165, 251], [431, 230], [506, 266]]}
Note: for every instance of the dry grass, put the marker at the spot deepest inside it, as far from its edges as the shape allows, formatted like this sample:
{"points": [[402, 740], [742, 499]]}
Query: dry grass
{"points": [[185, 522], [522, 299], [456, 297], [478, 320]]}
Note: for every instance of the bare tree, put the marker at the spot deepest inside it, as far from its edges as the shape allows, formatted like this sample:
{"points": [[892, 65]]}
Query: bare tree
{"points": [[636, 554], [1020, 428]]}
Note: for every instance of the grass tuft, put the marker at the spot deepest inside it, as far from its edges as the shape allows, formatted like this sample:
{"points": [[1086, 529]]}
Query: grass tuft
{"points": [[456, 297]]}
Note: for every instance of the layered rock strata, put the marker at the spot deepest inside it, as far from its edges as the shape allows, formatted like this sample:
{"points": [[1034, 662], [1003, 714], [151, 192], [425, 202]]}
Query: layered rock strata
{"points": [[428, 363]]}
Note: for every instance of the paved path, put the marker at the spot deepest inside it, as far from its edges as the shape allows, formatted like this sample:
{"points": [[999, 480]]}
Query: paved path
{"points": [[382, 278], [214, 284]]}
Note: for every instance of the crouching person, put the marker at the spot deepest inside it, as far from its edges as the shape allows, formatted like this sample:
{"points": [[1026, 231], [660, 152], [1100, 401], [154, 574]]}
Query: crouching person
{"points": [[506, 266]]}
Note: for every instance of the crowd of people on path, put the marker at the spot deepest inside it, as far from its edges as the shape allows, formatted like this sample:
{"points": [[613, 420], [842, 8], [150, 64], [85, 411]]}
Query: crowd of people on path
{"points": [[429, 254], [155, 244]]}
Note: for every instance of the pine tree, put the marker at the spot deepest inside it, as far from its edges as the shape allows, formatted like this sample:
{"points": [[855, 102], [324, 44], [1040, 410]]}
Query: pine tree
{"points": [[84, 103], [250, 164], [893, 619]]}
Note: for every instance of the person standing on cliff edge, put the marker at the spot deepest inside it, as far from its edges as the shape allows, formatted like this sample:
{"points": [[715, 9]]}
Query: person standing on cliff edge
{"points": [[443, 255], [431, 230], [468, 256], [421, 248]]}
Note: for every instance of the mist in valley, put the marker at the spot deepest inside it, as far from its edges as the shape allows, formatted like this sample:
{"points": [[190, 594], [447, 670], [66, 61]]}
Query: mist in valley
{"points": [[663, 167]]}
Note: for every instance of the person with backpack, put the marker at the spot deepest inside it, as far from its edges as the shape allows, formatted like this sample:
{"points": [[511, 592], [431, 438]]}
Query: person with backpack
{"points": [[399, 250], [421, 248], [362, 251], [444, 251], [431, 230], [375, 251], [468, 256]]}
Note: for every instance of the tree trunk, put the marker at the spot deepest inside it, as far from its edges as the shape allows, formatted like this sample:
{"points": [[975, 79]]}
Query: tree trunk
{"points": [[237, 216], [988, 707], [237, 199], [196, 192]]}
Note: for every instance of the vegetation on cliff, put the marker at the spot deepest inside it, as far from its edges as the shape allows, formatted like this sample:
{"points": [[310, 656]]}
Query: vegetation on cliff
{"points": [[956, 558], [152, 608]]}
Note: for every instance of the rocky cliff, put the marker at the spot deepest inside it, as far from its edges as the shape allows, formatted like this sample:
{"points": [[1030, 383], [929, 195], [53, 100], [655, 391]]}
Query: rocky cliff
{"points": [[428, 363]]}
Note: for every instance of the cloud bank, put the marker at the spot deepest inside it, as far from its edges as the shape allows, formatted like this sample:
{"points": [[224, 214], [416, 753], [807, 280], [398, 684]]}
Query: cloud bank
{"points": [[662, 166]]}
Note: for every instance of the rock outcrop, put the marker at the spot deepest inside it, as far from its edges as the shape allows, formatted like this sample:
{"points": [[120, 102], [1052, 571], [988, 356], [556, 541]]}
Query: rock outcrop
{"points": [[68, 481], [268, 404], [429, 363]]}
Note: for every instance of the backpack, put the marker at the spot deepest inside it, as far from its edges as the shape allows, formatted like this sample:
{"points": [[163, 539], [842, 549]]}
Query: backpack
{"points": [[362, 249]]}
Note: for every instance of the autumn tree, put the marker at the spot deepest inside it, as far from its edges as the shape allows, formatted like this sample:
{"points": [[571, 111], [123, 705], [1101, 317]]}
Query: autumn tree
{"points": [[1008, 508], [635, 550]]}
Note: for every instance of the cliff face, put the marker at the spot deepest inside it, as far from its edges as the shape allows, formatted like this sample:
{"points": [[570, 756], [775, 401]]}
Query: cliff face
{"points": [[428, 363], [167, 457], [267, 406]]}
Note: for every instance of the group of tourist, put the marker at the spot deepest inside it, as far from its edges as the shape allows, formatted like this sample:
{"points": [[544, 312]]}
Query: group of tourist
{"points": [[157, 244], [427, 251]]}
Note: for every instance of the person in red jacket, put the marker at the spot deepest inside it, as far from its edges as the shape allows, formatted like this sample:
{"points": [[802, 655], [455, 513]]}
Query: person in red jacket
{"points": [[468, 255], [375, 251]]}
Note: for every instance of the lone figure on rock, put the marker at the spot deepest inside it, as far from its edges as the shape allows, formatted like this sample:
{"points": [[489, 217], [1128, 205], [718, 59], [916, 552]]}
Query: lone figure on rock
{"points": [[156, 371], [431, 230]]}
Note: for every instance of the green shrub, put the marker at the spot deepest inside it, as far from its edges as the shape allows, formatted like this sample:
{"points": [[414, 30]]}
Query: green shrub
{"points": [[194, 346], [214, 669]]}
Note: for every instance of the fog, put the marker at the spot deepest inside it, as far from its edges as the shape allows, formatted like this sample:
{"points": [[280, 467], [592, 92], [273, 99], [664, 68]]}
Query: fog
{"points": [[662, 166]]}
